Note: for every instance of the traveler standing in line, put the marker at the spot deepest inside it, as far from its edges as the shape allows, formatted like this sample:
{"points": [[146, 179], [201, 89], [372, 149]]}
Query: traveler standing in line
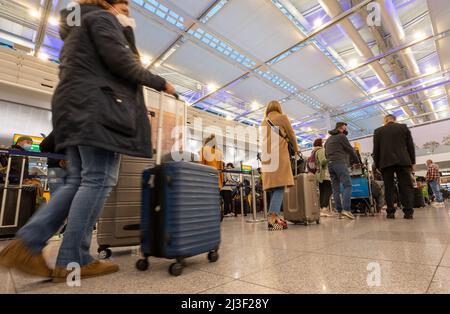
{"points": [[434, 179], [341, 155], [322, 175], [98, 111], [227, 190], [394, 154], [275, 181], [211, 155]]}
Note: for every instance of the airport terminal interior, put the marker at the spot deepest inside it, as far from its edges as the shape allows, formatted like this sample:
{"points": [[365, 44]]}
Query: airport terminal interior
{"points": [[329, 64]]}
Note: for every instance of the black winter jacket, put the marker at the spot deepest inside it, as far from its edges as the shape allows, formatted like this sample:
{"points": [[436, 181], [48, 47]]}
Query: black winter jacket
{"points": [[393, 145], [99, 100], [339, 150]]}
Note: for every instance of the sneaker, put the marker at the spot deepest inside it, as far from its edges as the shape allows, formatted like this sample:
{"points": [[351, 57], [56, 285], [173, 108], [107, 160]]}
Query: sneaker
{"points": [[94, 269], [347, 214], [16, 255]]}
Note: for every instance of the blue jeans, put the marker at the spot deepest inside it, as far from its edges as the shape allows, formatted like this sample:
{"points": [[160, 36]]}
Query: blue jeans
{"points": [[435, 186], [56, 179], [92, 173], [340, 175], [276, 200]]}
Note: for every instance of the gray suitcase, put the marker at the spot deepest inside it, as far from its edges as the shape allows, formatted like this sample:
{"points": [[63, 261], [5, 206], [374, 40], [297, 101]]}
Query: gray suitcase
{"points": [[301, 202], [118, 225]]}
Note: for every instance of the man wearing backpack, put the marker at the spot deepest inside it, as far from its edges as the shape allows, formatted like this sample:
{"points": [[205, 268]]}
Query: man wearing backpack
{"points": [[318, 165]]}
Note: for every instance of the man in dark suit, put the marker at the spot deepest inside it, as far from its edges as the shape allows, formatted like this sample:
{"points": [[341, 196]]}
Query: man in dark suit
{"points": [[394, 153]]}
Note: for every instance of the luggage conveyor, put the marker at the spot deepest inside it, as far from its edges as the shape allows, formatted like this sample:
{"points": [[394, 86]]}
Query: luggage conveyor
{"points": [[251, 175]]}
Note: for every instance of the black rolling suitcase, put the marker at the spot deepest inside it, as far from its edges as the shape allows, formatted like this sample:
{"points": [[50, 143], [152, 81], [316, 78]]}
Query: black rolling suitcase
{"points": [[419, 200]]}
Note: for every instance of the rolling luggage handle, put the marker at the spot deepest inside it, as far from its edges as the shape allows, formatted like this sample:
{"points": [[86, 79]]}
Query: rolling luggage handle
{"points": [[5, 194]]}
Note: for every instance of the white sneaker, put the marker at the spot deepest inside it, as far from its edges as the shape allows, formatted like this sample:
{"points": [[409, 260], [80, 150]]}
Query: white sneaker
{"points": [[346, 214]]}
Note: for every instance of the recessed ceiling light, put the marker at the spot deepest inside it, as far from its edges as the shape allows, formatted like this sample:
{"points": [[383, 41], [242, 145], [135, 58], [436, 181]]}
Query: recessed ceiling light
{"points": [[53, 21], [353, 63], [212, 87], [35, 13], [419, 35], [318, 22], [255, 105], [430, 70], [146, 60], [374, 89], [229, 118], [43, 56]]}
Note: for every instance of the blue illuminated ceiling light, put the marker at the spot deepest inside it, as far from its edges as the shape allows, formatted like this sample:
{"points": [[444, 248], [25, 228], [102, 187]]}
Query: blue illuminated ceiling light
{"points": [[162, 12], [222, 47], [278, 81], [213, 11]]}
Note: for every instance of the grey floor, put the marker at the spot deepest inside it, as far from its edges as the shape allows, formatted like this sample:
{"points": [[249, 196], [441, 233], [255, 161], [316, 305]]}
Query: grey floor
{"points": [[369, 255]]}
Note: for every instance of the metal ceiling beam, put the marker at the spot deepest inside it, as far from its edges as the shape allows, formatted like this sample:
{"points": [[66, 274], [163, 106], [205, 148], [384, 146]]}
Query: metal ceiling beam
{"points": [[312, 35], [392, 22], [333, 8], [403, 94], [40, 36]]}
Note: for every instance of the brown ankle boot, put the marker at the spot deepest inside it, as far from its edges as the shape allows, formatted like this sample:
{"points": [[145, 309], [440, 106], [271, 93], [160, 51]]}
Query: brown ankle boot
{"points": [[93, 269], [17, 255]]}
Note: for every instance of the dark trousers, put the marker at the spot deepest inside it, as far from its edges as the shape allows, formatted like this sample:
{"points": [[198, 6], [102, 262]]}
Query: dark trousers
{"points": [[405, 186], [325, 193], [227, 201]]}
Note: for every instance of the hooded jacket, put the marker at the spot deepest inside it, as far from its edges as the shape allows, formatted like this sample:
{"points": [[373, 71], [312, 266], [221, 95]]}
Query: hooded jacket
{"points": [[99, 100], [339, 150]]}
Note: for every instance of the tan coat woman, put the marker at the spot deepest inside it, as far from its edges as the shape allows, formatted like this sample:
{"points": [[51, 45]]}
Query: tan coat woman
{"points": [[276, 165], [282, 177]]}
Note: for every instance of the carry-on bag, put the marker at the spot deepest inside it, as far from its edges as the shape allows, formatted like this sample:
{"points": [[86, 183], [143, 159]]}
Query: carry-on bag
{"points": [[180, 214], [119, 223], [301, 201], [419, 199]]}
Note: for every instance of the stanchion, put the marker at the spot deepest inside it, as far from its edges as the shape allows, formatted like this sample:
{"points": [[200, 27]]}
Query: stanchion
{"points": [[241, 179], [254, 220]]}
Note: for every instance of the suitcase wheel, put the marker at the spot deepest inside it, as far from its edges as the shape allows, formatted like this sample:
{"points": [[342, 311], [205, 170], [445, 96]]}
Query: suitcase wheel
{"points": [[104, 253], [176, 269], [142, 264], [305, 223], [213, 256], [318, 221]]}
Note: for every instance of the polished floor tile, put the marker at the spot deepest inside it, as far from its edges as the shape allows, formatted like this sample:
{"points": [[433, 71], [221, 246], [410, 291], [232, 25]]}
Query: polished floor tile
{"points": [[446, 258], [429, 254], [6, 281], [316, 273], [441, 281], [241, 287], [336, 256], [242, 260]]}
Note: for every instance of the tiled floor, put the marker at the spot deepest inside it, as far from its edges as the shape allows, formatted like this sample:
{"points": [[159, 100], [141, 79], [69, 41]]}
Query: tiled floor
{"points": [[369, 255]]}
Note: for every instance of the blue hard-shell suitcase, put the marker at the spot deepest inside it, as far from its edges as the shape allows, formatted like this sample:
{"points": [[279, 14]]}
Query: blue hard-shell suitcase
{"points": [[180, 213]]}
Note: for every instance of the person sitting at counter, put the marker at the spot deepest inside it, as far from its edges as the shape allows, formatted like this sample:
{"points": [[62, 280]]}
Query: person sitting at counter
{"points": [[23, 144]]}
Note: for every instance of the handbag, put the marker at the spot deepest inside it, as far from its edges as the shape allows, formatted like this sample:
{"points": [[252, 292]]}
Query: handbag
{"points": [[285, 137]]}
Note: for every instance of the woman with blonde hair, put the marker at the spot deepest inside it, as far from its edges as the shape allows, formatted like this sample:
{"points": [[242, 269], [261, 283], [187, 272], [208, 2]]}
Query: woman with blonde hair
{"points": [[275, 178]]}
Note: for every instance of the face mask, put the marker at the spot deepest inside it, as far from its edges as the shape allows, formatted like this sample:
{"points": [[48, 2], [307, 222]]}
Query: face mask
{"points": [[26, 147], [345, 132], [126, 21]]}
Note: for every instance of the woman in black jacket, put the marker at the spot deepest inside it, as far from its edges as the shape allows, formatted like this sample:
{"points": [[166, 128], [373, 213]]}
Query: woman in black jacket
{"points": [[98, 111]]}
